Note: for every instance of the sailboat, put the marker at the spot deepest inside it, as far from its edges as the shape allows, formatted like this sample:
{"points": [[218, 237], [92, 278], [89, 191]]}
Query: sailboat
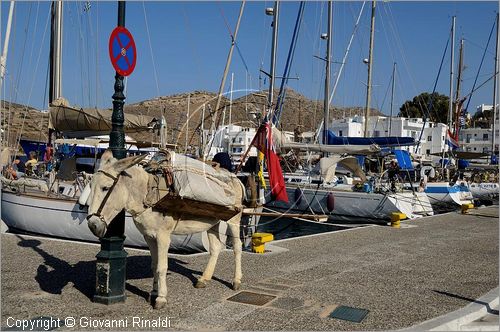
{"points": [[447, 196], [50, 207], [346, 198]]}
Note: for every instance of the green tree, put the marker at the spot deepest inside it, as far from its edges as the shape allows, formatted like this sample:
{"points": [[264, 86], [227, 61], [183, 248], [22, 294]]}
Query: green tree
{"points": [[483, 119], [418, 107]]}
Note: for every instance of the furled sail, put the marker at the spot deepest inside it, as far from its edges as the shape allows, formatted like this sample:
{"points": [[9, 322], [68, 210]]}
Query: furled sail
{"points": [[77, 123], [282, 143], [338, 149]]}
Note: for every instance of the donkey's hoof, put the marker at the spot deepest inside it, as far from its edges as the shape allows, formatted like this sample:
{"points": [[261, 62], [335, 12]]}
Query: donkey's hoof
{"points": [[160, 303], [200, 284], [236, 285], [152, 297]]}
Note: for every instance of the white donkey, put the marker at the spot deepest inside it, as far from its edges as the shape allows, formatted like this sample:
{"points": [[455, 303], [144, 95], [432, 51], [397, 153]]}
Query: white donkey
{"points": [[121, 184]]}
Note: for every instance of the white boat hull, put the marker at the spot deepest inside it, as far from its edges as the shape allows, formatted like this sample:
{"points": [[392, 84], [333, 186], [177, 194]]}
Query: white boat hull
{"points": [[354, 206], [485, 191], [445, 197], [63, 218]]}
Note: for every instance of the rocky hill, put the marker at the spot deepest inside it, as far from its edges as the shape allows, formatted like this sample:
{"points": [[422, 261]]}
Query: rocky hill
{"points": [[298, 112], [21, 120]]}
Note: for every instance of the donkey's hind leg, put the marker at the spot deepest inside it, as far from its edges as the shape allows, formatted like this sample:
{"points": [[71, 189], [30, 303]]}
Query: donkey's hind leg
{"points": [[215, 247], [163, 243]]}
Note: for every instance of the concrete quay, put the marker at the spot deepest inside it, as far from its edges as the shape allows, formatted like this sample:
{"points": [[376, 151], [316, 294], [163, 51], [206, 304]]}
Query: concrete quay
{"points": [[423, 276]]}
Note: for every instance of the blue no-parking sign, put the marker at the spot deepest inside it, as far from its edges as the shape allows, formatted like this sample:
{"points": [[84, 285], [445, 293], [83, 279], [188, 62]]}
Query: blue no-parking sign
{"points": [[122, 51]]}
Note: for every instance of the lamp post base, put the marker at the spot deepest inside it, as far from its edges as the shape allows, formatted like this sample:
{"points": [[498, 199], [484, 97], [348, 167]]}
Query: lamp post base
{"points": [[110, 271]]}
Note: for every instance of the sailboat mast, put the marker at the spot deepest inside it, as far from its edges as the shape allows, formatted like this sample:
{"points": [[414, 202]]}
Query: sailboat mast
{"points": [[56, 51], [450, 106], [370, 63], [229, 57], [495, 92], [272, 72], [392, 97], [3, 59], [458, 104], [231, 98], [326, 119], [206, 149]]}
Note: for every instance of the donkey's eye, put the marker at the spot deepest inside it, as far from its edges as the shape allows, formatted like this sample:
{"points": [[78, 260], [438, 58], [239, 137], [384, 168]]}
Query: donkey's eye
{"points": [[105, 188]]}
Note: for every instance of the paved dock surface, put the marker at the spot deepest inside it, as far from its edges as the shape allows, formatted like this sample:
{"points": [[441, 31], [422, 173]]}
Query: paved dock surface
{"points": [[428, 268]]}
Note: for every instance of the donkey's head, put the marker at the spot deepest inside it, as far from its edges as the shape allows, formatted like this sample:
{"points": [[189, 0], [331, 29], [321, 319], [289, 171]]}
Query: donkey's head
{"points": [[108, 192]]}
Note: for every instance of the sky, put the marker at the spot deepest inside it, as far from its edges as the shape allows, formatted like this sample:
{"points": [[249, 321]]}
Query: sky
{"points": [[183, 46]]}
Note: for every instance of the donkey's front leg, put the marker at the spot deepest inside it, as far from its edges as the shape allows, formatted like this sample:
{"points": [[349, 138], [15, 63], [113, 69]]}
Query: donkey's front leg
{"points": [[215, 246], [163, 243], [153, 249]]}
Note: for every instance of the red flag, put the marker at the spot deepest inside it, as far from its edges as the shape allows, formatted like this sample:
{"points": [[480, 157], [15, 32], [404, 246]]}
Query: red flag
{"points": [[260, 140], [276, 181], [264, 143]]}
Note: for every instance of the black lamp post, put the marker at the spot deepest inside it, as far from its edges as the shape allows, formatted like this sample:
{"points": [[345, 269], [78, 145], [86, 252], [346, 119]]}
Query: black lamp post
{"points": [[112, 259]]}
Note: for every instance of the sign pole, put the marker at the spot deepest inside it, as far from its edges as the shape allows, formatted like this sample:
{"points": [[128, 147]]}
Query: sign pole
{"points": [[112, 259]]}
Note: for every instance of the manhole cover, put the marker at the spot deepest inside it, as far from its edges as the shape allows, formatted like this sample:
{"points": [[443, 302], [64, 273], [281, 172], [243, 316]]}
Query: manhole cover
{"points": [[351, 314], [41, 323], [251, 298]]}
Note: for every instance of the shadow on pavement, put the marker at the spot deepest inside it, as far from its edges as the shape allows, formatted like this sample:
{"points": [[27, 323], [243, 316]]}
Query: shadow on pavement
{"points": [[55, 273], [487, 305]]}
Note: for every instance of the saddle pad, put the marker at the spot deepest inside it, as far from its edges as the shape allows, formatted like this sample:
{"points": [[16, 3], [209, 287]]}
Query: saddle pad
{"points": [[196, 208]]}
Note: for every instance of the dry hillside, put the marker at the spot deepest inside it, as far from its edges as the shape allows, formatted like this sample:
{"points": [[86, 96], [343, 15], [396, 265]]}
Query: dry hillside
{"points": [[298, 112]]}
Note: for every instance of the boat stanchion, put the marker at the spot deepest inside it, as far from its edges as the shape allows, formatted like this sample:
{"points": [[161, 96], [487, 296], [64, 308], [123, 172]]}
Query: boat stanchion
{"points": [[396, 217], [259, 240], [467, 207]]}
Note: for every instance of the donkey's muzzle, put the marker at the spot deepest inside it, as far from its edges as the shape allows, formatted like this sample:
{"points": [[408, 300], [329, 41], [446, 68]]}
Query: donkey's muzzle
{"points": [[96, 225]]}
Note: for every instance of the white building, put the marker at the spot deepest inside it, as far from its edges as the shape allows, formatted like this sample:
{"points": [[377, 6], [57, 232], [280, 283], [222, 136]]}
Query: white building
{"points": [[476, 140], [479, 139], [234, 140], [432, 139]]}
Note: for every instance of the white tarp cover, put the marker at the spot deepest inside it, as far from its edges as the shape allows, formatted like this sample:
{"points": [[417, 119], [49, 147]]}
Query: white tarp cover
{"points": [[25, 182], [199, 181], [329, 165], [74, 122]]}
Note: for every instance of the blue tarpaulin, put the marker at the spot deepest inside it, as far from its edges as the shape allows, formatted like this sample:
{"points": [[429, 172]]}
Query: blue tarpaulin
{"points": [[380, 141], [361, 160], [404, 160]]}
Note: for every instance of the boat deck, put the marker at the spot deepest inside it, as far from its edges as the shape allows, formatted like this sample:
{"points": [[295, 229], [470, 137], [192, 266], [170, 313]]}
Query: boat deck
{"points": [[430, 267]]}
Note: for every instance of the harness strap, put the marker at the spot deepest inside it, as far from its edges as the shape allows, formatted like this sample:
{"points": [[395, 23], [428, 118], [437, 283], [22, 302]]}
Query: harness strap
{"points": [[115, 181]]}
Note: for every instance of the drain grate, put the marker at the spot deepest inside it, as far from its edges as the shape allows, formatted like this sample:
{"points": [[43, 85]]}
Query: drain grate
{"points": [[351, 314], [252, 298]]}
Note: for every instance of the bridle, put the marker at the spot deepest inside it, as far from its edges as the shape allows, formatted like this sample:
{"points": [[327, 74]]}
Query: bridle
{"points": [[99, 210]]}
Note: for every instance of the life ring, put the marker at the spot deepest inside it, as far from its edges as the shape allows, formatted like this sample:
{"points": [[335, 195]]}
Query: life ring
{"points": [[429, 171]]}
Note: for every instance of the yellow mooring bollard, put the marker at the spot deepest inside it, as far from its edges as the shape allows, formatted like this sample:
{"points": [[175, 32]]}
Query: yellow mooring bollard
{"points": [[396, 218], [467, 207], [259, 240]]}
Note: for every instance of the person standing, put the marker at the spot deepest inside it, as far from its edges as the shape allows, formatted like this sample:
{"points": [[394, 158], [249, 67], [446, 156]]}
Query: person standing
{"points": [[392, 173]]}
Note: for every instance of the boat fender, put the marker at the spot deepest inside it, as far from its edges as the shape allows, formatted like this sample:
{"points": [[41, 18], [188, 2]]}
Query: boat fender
{"points": [[84, 197], [429, 171], [330, 202], [251, 188], [298, 196]]}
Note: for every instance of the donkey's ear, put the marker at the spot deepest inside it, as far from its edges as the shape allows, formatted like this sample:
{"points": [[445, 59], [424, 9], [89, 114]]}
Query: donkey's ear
{"points": [[106, 158], [123, 164]]}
